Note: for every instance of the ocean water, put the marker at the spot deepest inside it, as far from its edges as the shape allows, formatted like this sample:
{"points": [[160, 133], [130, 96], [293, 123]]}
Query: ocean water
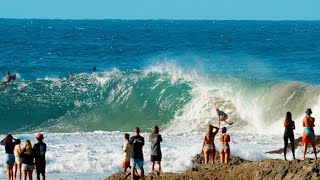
{"points": [[154, 72]]}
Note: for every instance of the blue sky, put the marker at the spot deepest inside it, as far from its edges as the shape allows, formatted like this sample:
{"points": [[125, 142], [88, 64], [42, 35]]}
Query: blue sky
{"points": [[162, 9]]}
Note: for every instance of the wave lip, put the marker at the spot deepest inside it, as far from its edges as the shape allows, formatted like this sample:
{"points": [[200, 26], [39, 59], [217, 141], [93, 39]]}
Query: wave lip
{"points": [[179, 100]]}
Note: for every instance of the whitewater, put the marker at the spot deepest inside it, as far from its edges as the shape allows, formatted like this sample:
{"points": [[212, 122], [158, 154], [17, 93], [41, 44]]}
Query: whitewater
{"points": [[79, 147], [173, 74]]}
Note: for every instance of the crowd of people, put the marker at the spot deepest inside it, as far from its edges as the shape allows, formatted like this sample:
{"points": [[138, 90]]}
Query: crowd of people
{"points": [[20, 162], [133, 151], [133, 147]]}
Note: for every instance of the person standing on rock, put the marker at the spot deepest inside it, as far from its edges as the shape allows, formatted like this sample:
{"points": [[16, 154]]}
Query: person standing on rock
{"points": [[126, 153], [308, 136], [224, 139], [288, 134], [208, 147], [156, 155], [136, 143]]}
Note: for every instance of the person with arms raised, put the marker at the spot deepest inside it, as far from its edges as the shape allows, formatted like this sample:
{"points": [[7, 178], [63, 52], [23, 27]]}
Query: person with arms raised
{"points": [[9, 158]]}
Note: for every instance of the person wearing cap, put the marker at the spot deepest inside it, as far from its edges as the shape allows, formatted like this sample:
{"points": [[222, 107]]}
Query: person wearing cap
{"points": [[39, 150], [136, 143], [308, 136]]}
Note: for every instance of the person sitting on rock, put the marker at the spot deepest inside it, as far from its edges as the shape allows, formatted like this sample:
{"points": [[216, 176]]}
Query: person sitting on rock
{"points": [[224, 139]]}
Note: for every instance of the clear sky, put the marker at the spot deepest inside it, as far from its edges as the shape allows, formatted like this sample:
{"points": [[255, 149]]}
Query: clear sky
{"points": [[162, 9]]}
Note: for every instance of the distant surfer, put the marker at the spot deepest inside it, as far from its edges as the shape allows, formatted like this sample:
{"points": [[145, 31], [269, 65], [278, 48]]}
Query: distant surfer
{"points": [[222, 116], [9, 77], [71, 77], [94, 69]]}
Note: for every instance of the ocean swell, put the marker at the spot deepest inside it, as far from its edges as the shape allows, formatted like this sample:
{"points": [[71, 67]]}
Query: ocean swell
{"points": [[165, 95]]}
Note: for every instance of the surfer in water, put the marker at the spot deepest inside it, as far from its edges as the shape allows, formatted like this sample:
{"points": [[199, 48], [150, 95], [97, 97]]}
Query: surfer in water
{"points": [[9, 77], [222, 116]]}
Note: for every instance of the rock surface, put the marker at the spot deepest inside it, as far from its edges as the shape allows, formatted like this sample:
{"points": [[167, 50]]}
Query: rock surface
{"points": [[270, 169]]}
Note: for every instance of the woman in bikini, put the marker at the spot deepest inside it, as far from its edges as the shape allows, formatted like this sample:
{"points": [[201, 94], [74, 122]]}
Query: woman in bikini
{"points": [[308, 136], [18, 160], [208, 147], [224, 139]]}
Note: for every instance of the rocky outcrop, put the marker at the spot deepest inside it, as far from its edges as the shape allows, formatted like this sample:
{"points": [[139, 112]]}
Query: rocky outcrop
{"points": [[270, 169]]}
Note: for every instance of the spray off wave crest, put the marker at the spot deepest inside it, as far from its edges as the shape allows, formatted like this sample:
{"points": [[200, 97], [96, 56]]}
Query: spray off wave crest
{"points": [[163, 95]]}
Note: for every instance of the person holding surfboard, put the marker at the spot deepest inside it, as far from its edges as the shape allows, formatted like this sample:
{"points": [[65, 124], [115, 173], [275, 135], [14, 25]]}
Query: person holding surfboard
{"points": [[222, 116]]}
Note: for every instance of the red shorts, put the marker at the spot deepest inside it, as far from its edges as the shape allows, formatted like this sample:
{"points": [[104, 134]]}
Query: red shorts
{"points": [[125, 165]]}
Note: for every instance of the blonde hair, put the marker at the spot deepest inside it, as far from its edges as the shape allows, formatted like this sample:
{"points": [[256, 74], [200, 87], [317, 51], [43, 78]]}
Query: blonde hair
{"points": [[209, 133], [27, 147]]}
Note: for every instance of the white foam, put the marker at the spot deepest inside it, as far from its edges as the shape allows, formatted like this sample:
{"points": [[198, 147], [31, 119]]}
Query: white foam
{"points": [[99, 154]]}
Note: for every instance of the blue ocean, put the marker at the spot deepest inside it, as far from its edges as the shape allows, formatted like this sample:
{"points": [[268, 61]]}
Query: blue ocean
{"points": [[153, 72]]}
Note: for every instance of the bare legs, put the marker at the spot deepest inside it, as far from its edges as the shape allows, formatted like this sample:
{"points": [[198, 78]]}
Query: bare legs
{"points": [[225, 155], [27, 173], [134, 170], [206, 154], [305, 150], [213, 156], [17, 170], [9, 173], [159, 166]]}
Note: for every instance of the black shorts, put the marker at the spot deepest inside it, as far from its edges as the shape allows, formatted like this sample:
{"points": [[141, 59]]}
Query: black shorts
{"points": [[41, 167], [156, 157]]}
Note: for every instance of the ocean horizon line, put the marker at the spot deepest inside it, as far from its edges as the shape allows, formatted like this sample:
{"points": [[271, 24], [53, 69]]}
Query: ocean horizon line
{"points": [[160, 19]]}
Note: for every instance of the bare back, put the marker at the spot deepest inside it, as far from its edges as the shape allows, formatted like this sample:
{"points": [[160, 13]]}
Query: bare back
{"points": [[308, 122], [17, 150], [224, 139]]}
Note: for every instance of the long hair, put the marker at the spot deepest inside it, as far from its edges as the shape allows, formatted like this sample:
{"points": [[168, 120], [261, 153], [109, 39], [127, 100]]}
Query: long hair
{"points": [[209, 133], [27, 147], [288, 119], [155, 130], [8, 139]]}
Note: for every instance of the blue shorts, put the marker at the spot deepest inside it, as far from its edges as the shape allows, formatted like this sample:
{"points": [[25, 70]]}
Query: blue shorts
{"points": [[136, 163], [9, 160]]}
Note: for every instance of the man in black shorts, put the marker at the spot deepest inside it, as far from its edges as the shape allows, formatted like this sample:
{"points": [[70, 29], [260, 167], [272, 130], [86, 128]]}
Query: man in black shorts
{"points": [[39, 150]]}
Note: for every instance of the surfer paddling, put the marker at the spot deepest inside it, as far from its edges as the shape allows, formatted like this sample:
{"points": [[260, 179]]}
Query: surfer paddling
{"points": [[222, 116]]}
